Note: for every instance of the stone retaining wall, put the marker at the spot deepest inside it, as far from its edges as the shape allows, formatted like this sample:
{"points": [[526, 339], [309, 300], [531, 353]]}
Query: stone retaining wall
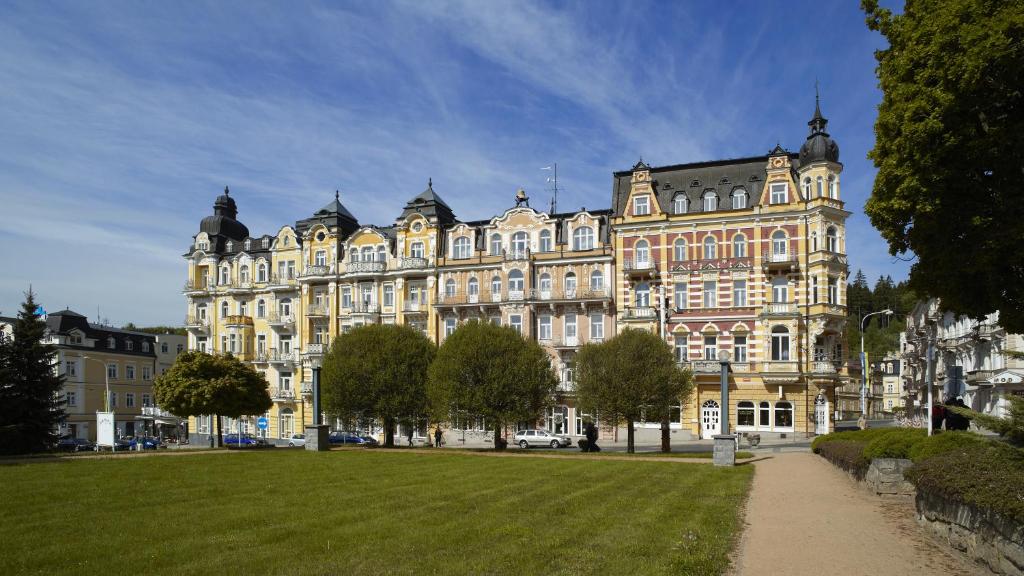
{"points": [[984, 537], [885, 477]]}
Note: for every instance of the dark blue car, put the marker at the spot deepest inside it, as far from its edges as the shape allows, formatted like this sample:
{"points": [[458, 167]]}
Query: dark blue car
{"points": [[148, 443], [232, 440], [345, 438]]}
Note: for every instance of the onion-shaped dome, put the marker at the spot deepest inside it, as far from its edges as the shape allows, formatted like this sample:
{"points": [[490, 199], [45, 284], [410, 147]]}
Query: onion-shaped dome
{"points": [[818, 146]]}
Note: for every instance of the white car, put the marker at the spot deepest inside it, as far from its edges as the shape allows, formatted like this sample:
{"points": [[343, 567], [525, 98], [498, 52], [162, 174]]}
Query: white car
{"points": [[297, 440], [529, 438]]}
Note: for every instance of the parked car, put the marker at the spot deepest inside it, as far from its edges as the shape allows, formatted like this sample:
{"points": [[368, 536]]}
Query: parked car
{"points": [[232, 440], [369, 440], [345, 438], [69, 444], [148, 443], [530, 438], [297, 440]]}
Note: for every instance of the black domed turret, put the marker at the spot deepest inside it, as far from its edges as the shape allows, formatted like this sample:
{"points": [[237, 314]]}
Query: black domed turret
{"points": [[223, 222], [819, 146]]}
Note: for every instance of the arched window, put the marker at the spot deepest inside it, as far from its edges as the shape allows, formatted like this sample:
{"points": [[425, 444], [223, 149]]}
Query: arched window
{"points": [[224, 309], [382, 254], [545, 240], [520, 242], [745, 413], [739, 199], [779, 243], [583, 238], [831, 239], [739, 246], [261, 308], [261, 272], [515, 281], [474, 287], [284, 307], [449, 288], [807, 188], [353, 255], [680, 204], [225, 275], [495, 244], [570, 285], [416, 250], [643, 295], [642, 253], [710, 201], [710, 248], [780, 289], [783, 415], [367, 254], [496, 287], [833, 192], [243, 273], [597, 280], [820, 191], [460, 248], [679, 250], [545, 285], [780, 346]]}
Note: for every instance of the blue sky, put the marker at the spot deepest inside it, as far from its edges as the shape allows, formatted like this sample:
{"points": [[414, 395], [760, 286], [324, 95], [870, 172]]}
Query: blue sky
{"points": [[120, 122]]}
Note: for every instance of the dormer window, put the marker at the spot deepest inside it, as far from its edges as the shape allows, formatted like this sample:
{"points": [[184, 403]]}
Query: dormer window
{"points": [[230, 246], [129, 345], [248, 244], [779, 193], [111, 343], [266, 242], [461, 248], [145, 346], [287, 241], [739, 199], [641, 206], [583, 238], [710, 201], [545, 240], [680, 204], [416, 250]]}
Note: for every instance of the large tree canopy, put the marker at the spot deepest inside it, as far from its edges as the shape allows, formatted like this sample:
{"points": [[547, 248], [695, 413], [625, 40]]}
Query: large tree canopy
{"points": [[629, 376], [199, 383], [949, 149], [489, 371], [31, 406], [379, 371]]}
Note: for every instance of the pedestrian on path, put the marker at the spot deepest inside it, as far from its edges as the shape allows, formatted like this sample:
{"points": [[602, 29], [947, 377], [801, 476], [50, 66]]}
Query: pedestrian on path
{"points": [[938, 416], [437, 436]]}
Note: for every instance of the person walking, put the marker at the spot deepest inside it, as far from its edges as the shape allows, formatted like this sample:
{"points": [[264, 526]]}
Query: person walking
{"points": [[437, 436], [938, 415]]}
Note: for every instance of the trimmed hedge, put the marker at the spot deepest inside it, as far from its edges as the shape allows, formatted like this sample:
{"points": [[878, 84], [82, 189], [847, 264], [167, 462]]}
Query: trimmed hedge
{"points": [[945, 442], [910, 443], [855, 436], [986, 475], [894, 445], [848, 455]]}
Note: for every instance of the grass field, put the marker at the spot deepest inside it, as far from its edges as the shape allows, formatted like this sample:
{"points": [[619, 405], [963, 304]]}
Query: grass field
{"points": [[367, 512]]}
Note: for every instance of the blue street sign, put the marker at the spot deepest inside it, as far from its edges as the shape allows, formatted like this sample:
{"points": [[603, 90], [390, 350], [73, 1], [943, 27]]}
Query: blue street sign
{"points": [[262, 423]]}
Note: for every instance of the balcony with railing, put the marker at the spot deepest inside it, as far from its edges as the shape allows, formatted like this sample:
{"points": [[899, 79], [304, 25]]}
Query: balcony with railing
{"points": [[702, 366], [156, 412], [286, 281], [414, 307], [318, 310], [780, 367], [639, 313], [314, 349], [637, 266], [516, 254], [282, 394], [316, 270], [283, 322], [307, 388], [779, 309], [237, 320], [413, 263], [986, 331], [362, 308], [198, 325], [779, 260], [457, 298], [371, 267], [554, 295], [275, 356], [198, 286], [824, 367]]}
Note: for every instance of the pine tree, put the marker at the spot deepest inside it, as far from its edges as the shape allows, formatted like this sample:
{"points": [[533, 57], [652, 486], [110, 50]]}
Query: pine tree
{"points": [[30, 389]]}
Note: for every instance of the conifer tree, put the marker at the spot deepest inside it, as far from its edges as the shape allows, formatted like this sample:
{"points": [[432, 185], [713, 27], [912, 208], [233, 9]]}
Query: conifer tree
{"points": [[30, 406]]}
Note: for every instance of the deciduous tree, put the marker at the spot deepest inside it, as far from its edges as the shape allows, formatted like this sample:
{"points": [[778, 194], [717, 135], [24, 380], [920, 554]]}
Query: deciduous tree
{"points": [[949, 147], [199, 383], [489, 371], [629, 376], [379, 371], [31, 406]]}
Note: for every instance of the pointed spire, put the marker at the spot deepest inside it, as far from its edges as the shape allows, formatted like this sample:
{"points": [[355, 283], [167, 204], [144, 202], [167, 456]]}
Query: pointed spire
{"points": [[430, 183], [226, 191], [818, 123], [336, 194]]}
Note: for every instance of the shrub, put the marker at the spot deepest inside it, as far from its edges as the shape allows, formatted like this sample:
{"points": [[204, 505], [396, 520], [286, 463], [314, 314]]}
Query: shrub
{"points": [[896, 444], [945, 442], [847, 455], [986, 475], [857, 436]]}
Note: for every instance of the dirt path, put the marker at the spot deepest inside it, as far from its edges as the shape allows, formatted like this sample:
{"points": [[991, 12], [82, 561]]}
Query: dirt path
{"points": [[805, 517]]}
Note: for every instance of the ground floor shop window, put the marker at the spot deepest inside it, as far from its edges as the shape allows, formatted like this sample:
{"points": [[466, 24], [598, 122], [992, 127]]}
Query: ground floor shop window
{"points": [[556, 419], [764, 415], [745, 414], [783, 415]]}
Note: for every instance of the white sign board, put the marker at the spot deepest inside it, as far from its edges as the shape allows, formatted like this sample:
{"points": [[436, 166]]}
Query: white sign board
{"points": [[105, 429]]}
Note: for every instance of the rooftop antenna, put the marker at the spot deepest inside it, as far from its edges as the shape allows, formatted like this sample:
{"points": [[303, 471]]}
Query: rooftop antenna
{"points": [[553, 180]]}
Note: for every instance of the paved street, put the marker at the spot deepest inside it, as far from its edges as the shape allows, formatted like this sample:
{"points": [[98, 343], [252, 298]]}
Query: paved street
{"points": [[806, 517]]}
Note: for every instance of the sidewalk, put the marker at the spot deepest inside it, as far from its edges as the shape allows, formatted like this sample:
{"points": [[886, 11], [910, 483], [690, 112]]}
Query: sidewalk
{"points": [[806, 517]]}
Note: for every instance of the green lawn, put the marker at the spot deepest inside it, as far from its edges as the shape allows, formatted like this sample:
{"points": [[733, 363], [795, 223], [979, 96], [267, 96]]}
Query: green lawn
{"points": [[367, 512]]}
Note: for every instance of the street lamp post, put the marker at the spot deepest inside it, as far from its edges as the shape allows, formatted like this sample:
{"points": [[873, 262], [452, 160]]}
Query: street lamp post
{"points": [[317, 438], [106, 398], [725, 444], [864, 367]]}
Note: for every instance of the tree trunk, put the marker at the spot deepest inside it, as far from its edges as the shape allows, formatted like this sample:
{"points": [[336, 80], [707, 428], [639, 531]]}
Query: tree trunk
{"points": [[218, 440], [666, 440], [389, 433], [629, 437], [499, 443]]}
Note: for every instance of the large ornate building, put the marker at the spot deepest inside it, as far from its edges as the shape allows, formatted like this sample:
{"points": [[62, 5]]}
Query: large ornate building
{"points": [[745, 256]]}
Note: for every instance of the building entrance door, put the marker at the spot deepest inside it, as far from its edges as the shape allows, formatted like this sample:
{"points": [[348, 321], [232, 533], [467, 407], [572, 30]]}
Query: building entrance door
{"points": [[821, 415], [710, 419]]}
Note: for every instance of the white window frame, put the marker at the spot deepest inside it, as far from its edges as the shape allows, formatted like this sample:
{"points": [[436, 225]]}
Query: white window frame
{"points": [[778, 193], [739, 293], [544, 327], [710, 294], [597, 326], [641, 205]]}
